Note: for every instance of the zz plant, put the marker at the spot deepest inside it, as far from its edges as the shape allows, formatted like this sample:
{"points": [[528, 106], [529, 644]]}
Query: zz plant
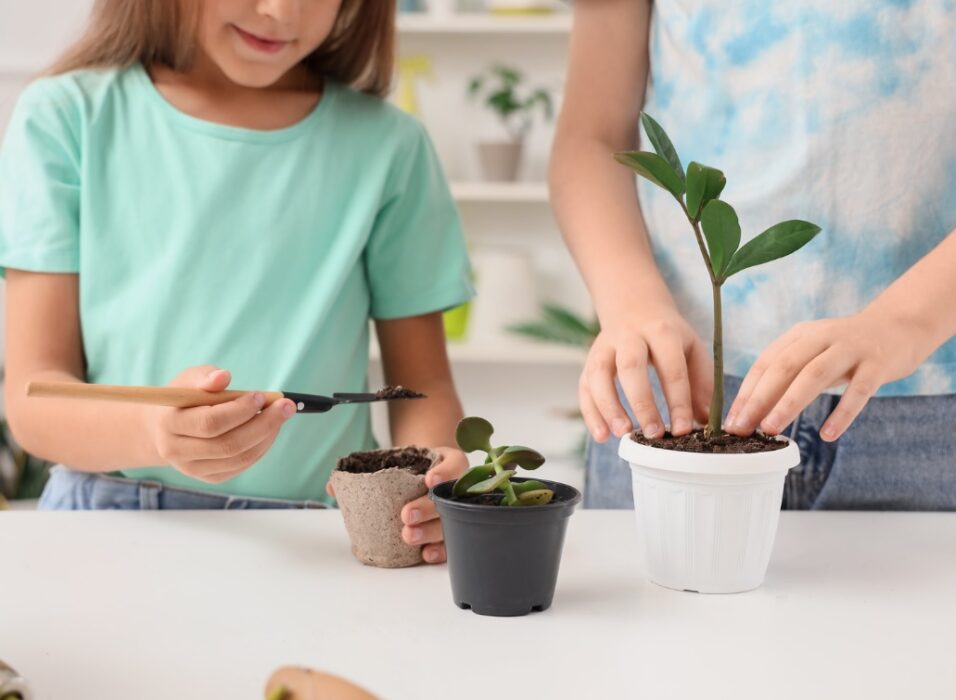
{"points": [[500, 464], [697, 192]]}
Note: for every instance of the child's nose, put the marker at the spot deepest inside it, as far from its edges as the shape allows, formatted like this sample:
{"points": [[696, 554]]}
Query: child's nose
{"points": [[283, 11]]}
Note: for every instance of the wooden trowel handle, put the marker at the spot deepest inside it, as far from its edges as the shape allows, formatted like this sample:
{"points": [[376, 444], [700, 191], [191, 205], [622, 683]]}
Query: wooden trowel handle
{"points": [[157, 395]]}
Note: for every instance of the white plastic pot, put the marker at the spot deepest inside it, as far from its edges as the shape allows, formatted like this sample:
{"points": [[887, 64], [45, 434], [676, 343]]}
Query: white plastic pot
{"points": [[706, 522]]}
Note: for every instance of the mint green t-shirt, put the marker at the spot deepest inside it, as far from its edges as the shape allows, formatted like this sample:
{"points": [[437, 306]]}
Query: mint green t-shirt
{"points": [[262, 252]]}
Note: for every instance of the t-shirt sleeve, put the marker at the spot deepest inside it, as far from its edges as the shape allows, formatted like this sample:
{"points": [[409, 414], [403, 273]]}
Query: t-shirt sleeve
{"points": [[416, 260], [40, 184]]}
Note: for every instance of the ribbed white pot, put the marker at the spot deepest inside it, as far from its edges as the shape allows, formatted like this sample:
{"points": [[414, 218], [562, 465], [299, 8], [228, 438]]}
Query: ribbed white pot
{"points": [[707, 522]]}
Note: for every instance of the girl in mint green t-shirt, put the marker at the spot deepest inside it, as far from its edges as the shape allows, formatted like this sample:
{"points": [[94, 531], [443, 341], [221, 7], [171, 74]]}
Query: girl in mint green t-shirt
{"points": [[215, 199]]}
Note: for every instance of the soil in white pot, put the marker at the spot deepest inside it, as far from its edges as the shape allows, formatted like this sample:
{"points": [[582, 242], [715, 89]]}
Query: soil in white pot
{"points": [[724, 443], [371, 489]]}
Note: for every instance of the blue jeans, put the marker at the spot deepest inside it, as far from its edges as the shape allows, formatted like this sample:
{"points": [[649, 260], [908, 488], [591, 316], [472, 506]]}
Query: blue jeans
{"points": [[899, 454], [73, 490]]}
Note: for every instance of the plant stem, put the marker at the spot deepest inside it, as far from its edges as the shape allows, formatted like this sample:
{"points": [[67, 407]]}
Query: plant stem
{"points": [[510, 492], [717, 400]]}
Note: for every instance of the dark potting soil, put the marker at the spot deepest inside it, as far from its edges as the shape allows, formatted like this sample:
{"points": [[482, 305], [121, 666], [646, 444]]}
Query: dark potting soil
{"points": [[414, 459], [398, 392], [719, 444]]}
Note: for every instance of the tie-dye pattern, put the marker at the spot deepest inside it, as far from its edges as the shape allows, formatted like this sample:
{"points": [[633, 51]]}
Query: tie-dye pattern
{"points": [[842, 113]]}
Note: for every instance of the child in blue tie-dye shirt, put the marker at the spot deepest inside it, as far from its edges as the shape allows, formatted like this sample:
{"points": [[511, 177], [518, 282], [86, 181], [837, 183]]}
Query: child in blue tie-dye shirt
{"points": [[840, 113]]}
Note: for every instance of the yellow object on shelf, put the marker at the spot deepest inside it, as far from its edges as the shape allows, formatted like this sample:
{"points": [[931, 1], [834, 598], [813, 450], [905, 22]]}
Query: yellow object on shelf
{"points": [[456, 322], [410, 70]]}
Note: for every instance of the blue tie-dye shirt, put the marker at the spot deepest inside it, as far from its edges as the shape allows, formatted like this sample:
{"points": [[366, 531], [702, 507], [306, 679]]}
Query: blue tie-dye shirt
{"points": [[841, 112]]}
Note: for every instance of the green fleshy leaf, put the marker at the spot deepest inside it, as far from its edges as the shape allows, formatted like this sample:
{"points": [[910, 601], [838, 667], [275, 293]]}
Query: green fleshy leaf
{"points": [[474, 433], [530, 485], [470, 478], [722, 231], [537, 497], [523, 457], [777, 241], [654, 168], [662, 144], [489, 485], [703, 184]]}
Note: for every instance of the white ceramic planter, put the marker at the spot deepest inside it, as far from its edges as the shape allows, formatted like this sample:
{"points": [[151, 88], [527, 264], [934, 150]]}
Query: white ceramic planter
{"points": [[707, 522]]}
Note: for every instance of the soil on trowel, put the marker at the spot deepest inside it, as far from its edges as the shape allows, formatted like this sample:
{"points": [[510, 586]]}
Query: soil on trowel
{"points": [[398, 392], [718, 444], [414, 459]]}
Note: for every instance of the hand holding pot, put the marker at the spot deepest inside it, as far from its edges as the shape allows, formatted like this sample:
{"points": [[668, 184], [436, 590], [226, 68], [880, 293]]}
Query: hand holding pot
{"points": [[660, 337], [864, 351], [215, 443]]}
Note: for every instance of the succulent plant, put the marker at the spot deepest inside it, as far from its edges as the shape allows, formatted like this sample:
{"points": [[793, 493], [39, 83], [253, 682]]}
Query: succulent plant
{"points": [[474, 433], [697, 192]]}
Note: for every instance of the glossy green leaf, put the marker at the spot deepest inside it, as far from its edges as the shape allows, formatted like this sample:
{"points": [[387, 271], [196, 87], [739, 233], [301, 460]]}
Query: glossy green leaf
{"points": [[472, 477], [530, 485], [654, 168], [521, 456], [662, 144], [489, 485], [722, 231], [776, 242], [474, 433], [537, 497], [703, 184]]}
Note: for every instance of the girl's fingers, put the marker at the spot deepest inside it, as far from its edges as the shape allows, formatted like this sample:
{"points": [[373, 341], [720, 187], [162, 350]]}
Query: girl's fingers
{"points": [[237, 441], [426, 533], [765, 360], [774, 381], [216, 471], [632, 373], [599, 374], [213, 421], [434, 553], [671, 365], [592, 416], [453, 464], [700, 367], [419, 511], [821, 373], [860, 389]]}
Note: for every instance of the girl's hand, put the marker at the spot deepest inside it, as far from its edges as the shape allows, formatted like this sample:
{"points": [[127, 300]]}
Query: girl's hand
{"points": [[215, 443], [422, 525], [863, 351], [661, 338]]}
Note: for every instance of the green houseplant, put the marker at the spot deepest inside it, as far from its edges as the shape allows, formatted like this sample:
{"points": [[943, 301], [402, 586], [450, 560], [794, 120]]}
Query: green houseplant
{"points": [[715, 226], [708, 516], [502, 90], [503, 535]]}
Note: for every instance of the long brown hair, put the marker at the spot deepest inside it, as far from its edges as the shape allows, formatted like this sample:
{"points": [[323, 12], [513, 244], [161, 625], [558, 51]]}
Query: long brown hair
{"points": [[359, 51]]}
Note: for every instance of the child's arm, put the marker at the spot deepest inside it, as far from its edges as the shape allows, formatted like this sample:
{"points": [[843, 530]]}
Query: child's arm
{"points": [[43, 341], [884, 342], [413, 355], [596, 206]]}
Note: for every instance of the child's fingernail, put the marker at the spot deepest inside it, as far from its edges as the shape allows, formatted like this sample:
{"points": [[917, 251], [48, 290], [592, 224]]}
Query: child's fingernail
{"points": [[260, 399], [772, 422], [414, 515], [731, 420], [414, 535], [828, 432], [651, 430], [430, 555], [682, 425], [619, 426], [288, 410]]}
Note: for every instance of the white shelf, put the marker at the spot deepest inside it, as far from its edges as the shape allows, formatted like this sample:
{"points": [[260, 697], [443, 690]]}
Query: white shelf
{"points": [[512, 352], [423, 23], [495, 192]]}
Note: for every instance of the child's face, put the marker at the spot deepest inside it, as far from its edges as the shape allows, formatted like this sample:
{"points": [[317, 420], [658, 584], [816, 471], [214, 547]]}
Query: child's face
{"points": [[255, 42]]}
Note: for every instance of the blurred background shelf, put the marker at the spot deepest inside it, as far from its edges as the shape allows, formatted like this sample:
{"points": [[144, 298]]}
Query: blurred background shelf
{"points": [[477, 23], [495, 192]]}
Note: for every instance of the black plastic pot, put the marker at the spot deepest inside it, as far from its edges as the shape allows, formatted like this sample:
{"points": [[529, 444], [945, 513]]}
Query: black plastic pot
{"points": [[504, 560]]}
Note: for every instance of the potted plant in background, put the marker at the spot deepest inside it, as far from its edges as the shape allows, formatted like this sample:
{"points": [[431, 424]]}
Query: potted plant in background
{"points": [[503, 535], [501, 89], [708, 503]]}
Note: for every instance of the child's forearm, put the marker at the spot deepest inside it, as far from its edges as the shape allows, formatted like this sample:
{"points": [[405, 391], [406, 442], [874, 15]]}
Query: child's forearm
{"points": [[430, 422], [86, 435], [921, 300]]}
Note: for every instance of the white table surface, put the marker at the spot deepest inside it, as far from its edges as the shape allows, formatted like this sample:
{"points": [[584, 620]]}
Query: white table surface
{"points": [[206, 604]]}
